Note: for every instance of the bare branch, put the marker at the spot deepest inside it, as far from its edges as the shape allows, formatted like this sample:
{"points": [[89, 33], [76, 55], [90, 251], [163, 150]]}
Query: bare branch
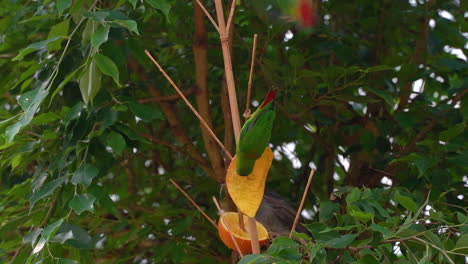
{"points": [[249, 85], [207, 14], [194, 203], [304, 195], [231, 15]]}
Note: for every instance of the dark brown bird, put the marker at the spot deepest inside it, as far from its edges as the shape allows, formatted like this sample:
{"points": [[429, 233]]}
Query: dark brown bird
{"points": [[277, 215]]}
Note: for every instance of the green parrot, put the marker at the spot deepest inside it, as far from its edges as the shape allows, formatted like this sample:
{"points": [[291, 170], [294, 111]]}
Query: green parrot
{"points": [[255, 135]]}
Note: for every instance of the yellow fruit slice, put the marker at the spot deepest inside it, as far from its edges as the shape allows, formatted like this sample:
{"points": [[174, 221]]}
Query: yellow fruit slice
{"points": [[231, 220], [247, 191]]}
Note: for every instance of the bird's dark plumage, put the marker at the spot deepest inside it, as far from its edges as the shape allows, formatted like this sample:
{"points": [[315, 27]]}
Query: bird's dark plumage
{"points": [[277, 215]]}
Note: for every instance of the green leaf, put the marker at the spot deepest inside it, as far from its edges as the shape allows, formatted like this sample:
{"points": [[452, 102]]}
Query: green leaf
{"points": [[359, 214], [98, 16], [82, 202], [452, 132], [102, 198], [50, 230], [73, 235], [161, 5], [145, 112], [423, 163], [36, 46], [301, 235], [66, 80], [379, 208], [61, 29], [314, 250], [11, 131], [462, 245], [66, 261], [317, 228], [327, 210], [353, 196], [406, 202], [434, 239], [256, 259], [26, 100], [62, 5], [133, 2], [367, 259], [342, 241], [45, 118], [117, 142], [100, 36], [281, 243], [285, 248], [386, 95], [107, 66], [4, 122], [73, 113], [378, 228], [39, 246], [128, 24], [88, 32], [32, 236], [46, 190], [85, 175], [90, 82]]}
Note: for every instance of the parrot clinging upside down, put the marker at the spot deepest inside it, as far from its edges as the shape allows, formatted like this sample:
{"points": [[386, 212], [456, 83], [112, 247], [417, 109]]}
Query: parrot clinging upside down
{"points": [[255, 135]]}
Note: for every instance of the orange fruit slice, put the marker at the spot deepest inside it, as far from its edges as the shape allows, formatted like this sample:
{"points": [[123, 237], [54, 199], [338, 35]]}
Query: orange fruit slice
{"points": [[231, 220], [247, 191]]}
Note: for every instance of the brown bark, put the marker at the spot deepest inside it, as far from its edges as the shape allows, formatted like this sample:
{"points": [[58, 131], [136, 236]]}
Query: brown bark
{"points": [[202, 96]]}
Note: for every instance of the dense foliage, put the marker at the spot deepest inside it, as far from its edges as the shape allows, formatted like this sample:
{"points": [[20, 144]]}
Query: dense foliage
{"points": [[373, 96]]}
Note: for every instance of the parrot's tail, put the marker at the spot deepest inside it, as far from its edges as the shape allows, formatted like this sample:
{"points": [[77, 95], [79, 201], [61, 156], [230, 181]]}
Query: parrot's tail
{"points": [[244, 166]]}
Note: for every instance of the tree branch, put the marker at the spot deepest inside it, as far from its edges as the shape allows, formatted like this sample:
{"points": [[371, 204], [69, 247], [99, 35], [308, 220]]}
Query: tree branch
{"points": [[225, 104], [202, 96]]}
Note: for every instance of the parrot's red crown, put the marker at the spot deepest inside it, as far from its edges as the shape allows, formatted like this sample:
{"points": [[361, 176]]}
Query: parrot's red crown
{"points": [[270, 96]]}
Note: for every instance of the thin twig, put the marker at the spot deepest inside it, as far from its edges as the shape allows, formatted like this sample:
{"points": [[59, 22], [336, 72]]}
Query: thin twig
{"points": [[304, 195], [194, 203], [224, 37], [381, 171], [231, 15], [189, 104], [249, 85], [221, 217], [208, 15]]}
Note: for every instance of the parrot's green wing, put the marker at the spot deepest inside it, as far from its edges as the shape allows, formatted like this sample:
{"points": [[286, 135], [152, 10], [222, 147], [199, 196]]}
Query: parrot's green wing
{"points": [[256, 134]]}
